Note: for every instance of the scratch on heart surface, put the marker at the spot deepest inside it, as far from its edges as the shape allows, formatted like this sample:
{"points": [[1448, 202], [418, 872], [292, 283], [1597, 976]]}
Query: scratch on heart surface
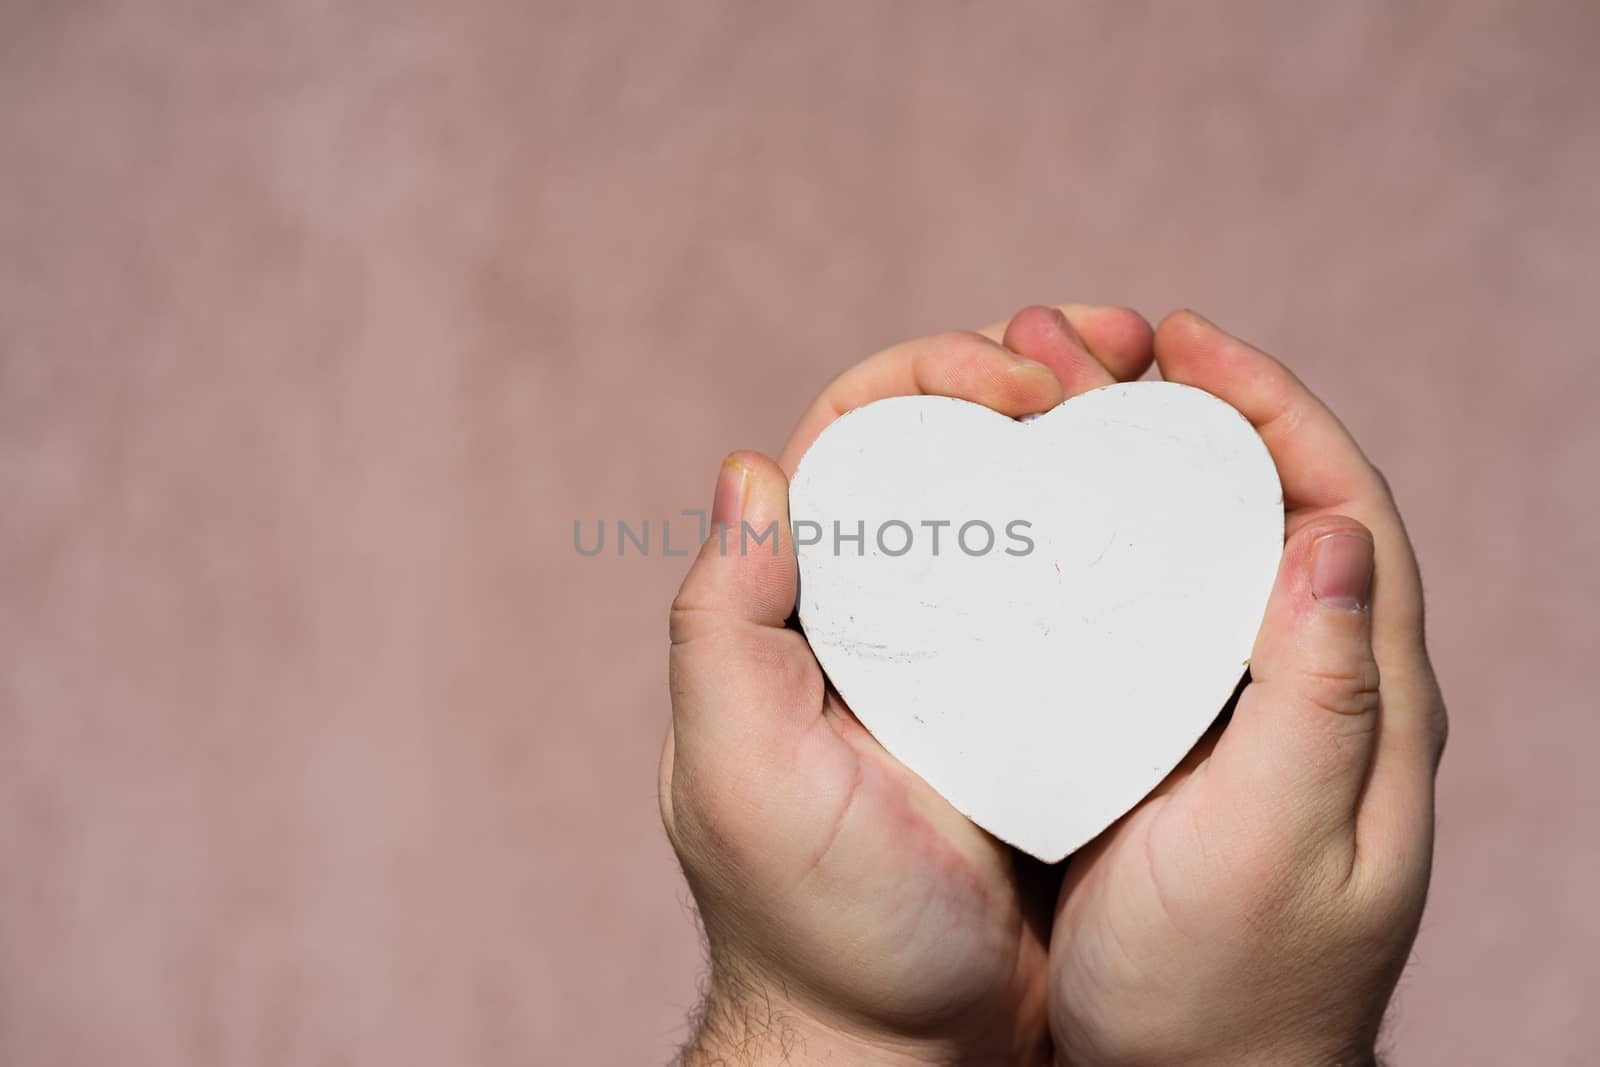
{"points": [[869, 649]]}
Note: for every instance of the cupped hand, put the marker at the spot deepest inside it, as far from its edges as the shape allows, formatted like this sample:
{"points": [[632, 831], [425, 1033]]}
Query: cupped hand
{"points": [[1259, 907], [852, 915]]}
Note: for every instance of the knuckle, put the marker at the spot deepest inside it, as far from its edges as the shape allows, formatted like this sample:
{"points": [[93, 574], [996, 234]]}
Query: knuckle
{"points": [[1439, 730], [1386, 903], [686, 617], [960, 339], [1289, 418], [679, 619], [1352, 691], [939, 348]]}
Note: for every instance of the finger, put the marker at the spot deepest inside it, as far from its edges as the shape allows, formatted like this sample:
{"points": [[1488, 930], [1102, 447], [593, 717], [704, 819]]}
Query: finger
{"points": [[1120, 338], [1323, 473], [752, 774], [965, 365], [1044, 335], [1302, 736], [1318, 461], [1394, 825], [734, 665]]}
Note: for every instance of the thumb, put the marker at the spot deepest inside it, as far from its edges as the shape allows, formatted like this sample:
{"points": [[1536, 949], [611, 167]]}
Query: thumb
{"points": [[730, 646], [1302, 735]]}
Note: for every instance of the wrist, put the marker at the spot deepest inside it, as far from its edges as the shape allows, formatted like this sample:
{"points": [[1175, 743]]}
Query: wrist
{"points": [[763, 1032], [749, 1023], [1354, 1056]]}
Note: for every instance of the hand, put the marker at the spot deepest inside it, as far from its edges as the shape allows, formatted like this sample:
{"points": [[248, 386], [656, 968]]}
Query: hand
{"points": [[1259, 907], [852, 915]]}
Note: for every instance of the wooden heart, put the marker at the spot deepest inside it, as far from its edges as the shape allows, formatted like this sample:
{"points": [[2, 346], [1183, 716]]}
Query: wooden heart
{"points": [[1038, 617]]}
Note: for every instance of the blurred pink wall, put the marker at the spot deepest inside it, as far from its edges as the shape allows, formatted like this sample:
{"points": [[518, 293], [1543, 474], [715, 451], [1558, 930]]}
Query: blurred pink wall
{"points": [[320, 324]]}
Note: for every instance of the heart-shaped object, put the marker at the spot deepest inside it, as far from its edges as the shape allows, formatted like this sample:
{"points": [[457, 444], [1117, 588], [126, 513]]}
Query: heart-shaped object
{"points": [[1039, 617]]}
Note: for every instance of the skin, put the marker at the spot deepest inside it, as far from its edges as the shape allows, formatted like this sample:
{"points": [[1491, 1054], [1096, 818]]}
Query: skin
{"points": [[1257, 908]]}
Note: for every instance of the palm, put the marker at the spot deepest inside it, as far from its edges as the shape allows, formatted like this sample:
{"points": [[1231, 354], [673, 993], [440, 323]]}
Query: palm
{"points": [[938, 911], [1131, 900]]}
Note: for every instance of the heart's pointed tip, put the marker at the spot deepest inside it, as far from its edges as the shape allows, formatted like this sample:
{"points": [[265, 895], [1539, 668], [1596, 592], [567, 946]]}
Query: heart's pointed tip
{"points": [[1050, 856], [1050, 852]]}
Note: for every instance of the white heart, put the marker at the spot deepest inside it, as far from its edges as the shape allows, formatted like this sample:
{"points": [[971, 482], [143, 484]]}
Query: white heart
{"points": [[1043, 692]]}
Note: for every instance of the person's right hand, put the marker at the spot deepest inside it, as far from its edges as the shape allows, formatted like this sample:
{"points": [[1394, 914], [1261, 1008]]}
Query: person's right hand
{"points": [[853, 916], [1259, 908]]}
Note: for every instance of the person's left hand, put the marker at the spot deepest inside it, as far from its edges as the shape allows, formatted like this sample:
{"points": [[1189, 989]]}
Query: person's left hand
{"points": [[1259, 906]]}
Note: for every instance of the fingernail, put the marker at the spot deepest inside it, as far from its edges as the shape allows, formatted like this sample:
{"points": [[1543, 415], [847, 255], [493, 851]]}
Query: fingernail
{"points": [[1341, 571], [728, 504], [1064, 325], [1020, 362]]}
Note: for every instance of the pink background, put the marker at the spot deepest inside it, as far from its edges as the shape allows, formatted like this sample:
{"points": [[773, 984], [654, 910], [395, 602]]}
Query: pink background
{"points": [[318, 329]]}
